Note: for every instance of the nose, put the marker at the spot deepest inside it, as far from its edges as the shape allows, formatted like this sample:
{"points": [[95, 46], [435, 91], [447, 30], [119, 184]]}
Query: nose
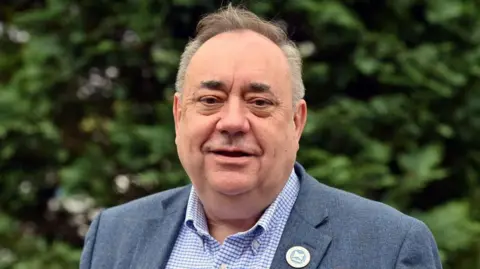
{"points": [[233, 119]]}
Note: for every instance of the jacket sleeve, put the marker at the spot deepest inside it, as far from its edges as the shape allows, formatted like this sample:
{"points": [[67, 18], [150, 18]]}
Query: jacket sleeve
{"points": [[419, 249], [89, 244]]}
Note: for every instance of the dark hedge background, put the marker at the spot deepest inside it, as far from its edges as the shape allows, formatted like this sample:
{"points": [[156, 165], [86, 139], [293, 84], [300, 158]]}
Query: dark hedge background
{"points": [[85, 111]]}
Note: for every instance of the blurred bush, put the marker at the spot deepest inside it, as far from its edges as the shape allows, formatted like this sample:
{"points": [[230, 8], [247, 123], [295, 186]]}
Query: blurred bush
{"points": [[85, 112]]}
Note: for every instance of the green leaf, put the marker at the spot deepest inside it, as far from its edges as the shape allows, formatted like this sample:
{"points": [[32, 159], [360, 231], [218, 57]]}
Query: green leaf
{"points": [[422, 165], [452, 226], [440, 11]]}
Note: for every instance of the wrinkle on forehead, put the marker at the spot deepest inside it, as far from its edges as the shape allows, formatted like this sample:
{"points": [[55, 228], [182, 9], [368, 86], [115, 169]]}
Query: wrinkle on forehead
{"points": [[239, 57]]}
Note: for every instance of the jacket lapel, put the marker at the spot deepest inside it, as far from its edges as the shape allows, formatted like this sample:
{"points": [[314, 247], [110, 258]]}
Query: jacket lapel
{"points": [[159, 235], [304, 226]]}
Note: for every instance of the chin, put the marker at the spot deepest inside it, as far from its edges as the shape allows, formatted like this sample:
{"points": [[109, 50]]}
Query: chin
{"points": [[232, 183]]}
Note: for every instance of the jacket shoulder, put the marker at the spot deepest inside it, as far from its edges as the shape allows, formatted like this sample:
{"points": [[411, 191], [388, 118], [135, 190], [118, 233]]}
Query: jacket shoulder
{"points": [[151, 206], [357, 220], [369, 231], [352, 208]]}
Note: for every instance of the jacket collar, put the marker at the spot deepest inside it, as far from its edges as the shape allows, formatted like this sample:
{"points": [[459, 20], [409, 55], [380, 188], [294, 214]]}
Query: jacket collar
{"points": [[159, 233]]}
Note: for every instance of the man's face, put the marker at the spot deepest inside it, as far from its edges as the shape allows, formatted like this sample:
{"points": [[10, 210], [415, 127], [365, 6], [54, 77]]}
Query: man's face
{"points": [[237, 129]]}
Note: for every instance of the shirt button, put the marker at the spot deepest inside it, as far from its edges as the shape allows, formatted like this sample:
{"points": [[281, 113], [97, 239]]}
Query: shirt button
{"points": [[255, 244], [223, 266]]}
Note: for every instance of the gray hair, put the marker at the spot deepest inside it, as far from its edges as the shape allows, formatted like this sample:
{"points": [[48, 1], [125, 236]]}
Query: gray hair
{"points": [[232, 18]]}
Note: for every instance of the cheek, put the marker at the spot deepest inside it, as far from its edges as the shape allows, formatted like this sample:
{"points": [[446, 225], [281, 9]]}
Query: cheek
{"points": [[276, 137], [269, 136], [196, 129]]}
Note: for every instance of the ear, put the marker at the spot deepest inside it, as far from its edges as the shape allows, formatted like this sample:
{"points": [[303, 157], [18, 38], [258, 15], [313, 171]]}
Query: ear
{"points": [[177, 110], [300, 117]]}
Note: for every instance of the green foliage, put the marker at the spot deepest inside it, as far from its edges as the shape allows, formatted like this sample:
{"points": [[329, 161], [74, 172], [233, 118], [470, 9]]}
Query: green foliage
{"points": [[85, 112]]}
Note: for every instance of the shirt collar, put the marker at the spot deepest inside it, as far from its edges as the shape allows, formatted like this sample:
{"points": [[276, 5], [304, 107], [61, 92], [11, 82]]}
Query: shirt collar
{"points": [[195, 214]]}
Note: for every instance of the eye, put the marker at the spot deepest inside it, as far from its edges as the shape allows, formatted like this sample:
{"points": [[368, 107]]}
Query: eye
{"points": [[209, 100], [261, 103]]}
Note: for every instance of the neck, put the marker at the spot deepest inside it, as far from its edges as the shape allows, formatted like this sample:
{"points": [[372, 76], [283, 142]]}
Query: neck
{"points": [[221, 229]]}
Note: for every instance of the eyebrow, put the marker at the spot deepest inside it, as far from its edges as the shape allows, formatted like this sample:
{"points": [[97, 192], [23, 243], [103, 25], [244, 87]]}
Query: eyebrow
{"points": [[257, 87], [212, 84]]}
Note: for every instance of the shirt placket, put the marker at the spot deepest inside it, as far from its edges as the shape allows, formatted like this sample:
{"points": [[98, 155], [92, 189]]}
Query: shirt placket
{"points": [[230, 253]]}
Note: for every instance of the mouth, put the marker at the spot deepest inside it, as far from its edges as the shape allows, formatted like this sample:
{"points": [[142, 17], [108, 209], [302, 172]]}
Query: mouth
{"points": [[231, 154]]}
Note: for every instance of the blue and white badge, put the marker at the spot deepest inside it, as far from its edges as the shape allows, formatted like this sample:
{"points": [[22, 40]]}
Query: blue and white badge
{"points": [[298, 257]]}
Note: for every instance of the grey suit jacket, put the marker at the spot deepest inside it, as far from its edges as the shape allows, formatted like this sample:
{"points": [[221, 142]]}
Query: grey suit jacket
{"points": [[339, 229]]}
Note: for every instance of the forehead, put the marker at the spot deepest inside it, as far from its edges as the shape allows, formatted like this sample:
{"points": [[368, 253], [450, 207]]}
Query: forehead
{"points": [[239, 57]]}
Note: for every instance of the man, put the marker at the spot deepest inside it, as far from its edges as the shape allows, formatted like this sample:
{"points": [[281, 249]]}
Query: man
{"points": [[239, 115]]}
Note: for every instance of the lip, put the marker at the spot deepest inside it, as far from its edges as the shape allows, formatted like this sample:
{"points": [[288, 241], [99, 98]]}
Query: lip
{"points": [[245, 151], [225, 159]]}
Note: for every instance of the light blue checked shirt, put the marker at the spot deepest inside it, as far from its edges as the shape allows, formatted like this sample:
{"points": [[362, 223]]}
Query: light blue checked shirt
{"points": [[255, 248]]}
